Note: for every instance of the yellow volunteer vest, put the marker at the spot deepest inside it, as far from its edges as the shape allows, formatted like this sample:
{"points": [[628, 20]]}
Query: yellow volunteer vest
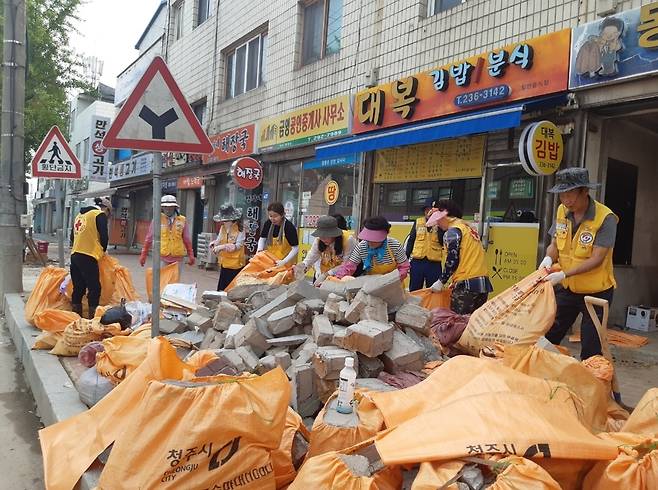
{"points": [[427, 244], [172, 237], [574, 249], [235, 259], [472, 261], [329, 259], [280, 248], [85, 235], [378, 268]]}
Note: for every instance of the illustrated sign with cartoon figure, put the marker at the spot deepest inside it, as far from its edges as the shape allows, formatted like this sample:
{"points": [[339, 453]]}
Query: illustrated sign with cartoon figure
{"points": [[615, 48]]}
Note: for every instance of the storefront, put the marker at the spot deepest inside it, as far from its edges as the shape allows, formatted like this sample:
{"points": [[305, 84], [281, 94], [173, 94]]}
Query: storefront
{"points": [[470, 155], [614, 63]]}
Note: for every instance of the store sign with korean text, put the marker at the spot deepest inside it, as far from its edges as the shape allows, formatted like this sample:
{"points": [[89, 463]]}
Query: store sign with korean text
{"points": [[247, 173], [136, 166], [541, 148], [98, 155], [520, 71], [190, 182], [616, 48], [231, 144], [305, 126], [459, 158]]}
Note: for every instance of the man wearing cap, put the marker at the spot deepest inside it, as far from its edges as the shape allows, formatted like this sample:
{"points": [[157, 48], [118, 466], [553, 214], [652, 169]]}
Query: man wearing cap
{"points": [[229, 245], [89, 239], [425, 250], [582, 242], [175, 236]]}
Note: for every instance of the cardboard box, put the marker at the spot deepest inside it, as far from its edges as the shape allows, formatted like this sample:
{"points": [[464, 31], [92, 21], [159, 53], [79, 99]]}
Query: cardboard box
{"points": [[641, 318]]}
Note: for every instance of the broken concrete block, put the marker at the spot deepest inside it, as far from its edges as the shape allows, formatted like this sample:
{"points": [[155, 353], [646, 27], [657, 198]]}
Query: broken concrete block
{"points": [[212, 296], [241, 293], [353, 313], [281, 320], [343, 306], [331, 307], [369, 337], [217, 366], [430, 352], [387, 287], [218, 341], [304, 399], [373, 384], [207, 339], [302, 290], [226, 314], [289, 341], [352, 287], [261, 298], [276, 304], [336, 419], [305, 310], [416, 317], [375, 309], [232, 358], [325, 388], [283, 359], [193, 338], [248, 357], [309, 344], [249, 335], [266, 364], [404, 355], [203, 311], [413, 300], [232, 331], [199, 322], [323, 331], [168, 326], [339, 337], [328, 361], [369, 367], [334, 287]]}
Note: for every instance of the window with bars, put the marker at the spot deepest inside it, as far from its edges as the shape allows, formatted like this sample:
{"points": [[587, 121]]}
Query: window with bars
{"points": [[245, 66], [203, 11], [321, 31], [177, 19], [436, 6]]}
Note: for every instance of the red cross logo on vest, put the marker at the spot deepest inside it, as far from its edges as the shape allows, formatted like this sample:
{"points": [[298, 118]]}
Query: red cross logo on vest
{"points": [[79, 225]]}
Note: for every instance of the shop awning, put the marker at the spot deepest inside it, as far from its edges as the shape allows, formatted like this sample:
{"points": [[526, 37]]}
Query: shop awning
{"points": [[450, 127], [106, 192]]}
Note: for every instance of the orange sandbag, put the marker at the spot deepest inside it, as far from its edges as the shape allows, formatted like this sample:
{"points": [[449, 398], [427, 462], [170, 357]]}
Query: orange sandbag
{"points": [[430, 299], [287, 459], [543, 364], [326, 437], [79, 333], [529, 425], [635, 468], [107, 266], [168, 275], [121, 356], [262, 269], [215, 432], [71, 446], [601, 369], [124, 287], [47, 340], [644, 419], [512, 473], [46, 295], [332, 470], [518, 315], [54, 320], [200, 359]]}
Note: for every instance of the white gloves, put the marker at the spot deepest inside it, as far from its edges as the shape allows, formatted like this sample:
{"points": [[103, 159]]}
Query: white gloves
{"points": [[218, 248], [546, 263], [437, 286], [299, 270], [321, 278], [280, 263], [555, 278]]}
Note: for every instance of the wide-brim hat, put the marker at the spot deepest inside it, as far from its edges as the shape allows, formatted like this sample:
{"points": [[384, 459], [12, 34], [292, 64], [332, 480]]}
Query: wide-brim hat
{"points": [[327, 228], [373, 235], [572, 178], [168, 202], [227, 213], [435, 217]]}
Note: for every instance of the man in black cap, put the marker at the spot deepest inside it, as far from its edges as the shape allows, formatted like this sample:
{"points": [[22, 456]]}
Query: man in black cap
{"points": [[425, 248], [582, 241]]}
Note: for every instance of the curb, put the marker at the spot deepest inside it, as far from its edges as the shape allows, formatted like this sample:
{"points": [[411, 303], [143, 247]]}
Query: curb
{"points": [[54, 392]]}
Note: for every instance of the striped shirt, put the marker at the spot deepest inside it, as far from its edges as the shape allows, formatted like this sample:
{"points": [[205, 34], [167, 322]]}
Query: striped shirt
{"points": [[397, 254]]}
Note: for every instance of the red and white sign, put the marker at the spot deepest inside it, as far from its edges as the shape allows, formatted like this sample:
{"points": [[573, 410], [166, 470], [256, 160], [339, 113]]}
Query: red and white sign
{"points": [[157, 117], [54, 158], [188, 182], [247, 172], [231, 144], [97, 160]]}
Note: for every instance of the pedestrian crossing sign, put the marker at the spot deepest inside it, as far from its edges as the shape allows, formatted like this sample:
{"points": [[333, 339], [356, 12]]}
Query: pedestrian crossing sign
{"points": [[54, 158]]}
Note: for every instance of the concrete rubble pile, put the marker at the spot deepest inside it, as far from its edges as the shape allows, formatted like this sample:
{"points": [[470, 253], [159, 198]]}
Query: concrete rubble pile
{"points": [[309, 331]]}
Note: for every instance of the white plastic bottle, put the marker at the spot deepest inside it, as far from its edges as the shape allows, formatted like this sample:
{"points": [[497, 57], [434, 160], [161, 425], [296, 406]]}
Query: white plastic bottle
{"points": [[346, 386]]}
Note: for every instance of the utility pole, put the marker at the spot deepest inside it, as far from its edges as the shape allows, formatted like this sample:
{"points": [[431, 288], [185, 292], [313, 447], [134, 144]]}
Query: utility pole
{"points": [[12, 141], [157, 210]]}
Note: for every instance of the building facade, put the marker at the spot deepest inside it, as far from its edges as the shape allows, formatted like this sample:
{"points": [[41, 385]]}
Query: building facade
{"points": [[431, 98]]}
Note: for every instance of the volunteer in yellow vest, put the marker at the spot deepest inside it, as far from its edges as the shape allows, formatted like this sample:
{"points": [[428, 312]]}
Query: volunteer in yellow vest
{"points": [[175, 240], [425, 251], [465, 266], [582, 241], [229, 245], [331, 247], [377, 252], [279, 236], [89, 238]]}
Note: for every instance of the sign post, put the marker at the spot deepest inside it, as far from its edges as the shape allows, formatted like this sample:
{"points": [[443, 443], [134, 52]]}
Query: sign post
{"points": [[157, 117]]}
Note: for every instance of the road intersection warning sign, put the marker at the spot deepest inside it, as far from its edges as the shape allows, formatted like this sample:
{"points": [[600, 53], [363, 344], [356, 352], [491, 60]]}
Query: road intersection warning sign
{"points": [[157, 117], [54, 158]]}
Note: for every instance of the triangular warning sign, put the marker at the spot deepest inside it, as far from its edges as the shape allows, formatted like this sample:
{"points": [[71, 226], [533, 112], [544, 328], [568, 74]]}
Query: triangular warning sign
{"points": [[157, 117], [54, 158]]}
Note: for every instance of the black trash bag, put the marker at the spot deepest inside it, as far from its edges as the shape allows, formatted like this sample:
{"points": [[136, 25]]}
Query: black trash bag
{"points": [[118, 314]]}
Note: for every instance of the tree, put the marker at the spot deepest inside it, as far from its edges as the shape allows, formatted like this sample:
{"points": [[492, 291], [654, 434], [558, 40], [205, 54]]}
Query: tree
{"points": [[54, 70]]}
